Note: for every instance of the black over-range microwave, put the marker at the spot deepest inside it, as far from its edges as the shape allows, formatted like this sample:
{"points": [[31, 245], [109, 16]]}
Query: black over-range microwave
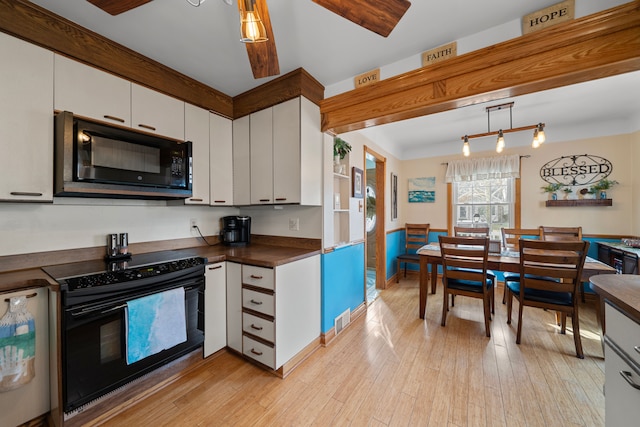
{"points": [[99, 160]]}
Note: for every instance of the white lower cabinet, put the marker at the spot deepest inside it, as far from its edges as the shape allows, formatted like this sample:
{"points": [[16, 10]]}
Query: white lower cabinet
{"points": [[622, 368], [234, 306], [273, 313], [215, 301]]}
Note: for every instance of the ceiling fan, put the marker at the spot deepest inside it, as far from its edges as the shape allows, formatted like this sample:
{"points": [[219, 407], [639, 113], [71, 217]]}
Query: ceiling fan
{"points": [[379, 16]]}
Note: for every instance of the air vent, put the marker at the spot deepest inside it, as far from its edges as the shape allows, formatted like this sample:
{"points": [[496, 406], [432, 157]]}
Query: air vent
{"points": [[342, 321]]}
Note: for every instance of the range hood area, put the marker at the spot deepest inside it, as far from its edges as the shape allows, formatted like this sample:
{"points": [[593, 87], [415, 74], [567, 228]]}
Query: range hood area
{"points": [[93, 159]]}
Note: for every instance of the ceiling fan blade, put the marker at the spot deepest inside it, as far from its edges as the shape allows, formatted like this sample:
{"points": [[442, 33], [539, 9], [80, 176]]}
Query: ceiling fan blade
{"points": [[379, 16], [116, 7], [263, 56]]}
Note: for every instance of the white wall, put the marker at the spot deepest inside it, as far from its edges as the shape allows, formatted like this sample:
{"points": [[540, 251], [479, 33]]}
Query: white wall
{"points": [[274, 220], [623, 151], [35, 227]]}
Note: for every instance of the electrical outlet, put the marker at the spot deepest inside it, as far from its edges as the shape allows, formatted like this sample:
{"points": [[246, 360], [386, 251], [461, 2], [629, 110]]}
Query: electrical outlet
{"points": [[294, 224], [192, 224]]}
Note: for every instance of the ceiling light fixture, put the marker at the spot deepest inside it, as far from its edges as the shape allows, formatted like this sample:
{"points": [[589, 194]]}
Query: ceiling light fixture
{"points": [[251, 27], [538, 133], [466, 150]]}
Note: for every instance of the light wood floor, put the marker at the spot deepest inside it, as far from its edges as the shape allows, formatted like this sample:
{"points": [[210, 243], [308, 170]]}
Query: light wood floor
{"points": [[389, 368]]}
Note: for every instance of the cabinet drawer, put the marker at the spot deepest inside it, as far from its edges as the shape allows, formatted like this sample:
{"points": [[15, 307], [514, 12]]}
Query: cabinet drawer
{"points": [[259, 351], [258, 276], [624, 332], [258, 301], [259, 327]]}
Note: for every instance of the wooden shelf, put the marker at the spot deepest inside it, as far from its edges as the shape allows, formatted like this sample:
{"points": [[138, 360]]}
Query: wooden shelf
{"points": [[579, 202]]}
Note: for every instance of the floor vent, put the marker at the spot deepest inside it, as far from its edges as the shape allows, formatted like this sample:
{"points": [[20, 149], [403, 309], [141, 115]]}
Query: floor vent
{"points": [[342, 321]]}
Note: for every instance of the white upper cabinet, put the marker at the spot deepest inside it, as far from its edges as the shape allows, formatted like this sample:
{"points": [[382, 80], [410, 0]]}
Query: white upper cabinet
{"points": [[196, 130], [241, 162], [91, 93], [261, 154], [220, 161], [286, 152], [26, 121], [157, 113], [285, 148]]}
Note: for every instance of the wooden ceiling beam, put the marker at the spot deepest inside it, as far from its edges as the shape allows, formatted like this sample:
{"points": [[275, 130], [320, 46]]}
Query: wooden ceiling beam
{"points": [[263, 56], [379, 16], [116, 7], [596, 46]]}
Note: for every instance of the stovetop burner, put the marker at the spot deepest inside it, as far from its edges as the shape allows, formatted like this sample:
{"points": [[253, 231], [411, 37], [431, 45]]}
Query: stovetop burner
{"points": [[121, 273], [98, 277]]}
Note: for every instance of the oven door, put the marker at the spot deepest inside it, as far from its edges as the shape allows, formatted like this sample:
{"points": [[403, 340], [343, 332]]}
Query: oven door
{"points": [[94, 356]]}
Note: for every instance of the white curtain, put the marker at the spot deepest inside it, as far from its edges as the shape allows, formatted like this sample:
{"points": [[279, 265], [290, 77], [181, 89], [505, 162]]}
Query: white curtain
{"points": [[487, 168]]}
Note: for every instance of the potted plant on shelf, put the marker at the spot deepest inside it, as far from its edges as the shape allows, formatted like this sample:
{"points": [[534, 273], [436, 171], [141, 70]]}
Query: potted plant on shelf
{"points": [[340, 149], [567, 192], [602, 186], [551, 189]]}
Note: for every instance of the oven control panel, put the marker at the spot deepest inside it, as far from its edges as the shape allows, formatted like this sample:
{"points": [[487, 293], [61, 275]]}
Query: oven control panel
{"points": [[122, 274]]}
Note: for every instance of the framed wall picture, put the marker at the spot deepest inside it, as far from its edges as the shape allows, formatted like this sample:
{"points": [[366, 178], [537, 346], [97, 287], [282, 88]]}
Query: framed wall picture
{"points": [[422, 190], [357, 182], [394, 196]]}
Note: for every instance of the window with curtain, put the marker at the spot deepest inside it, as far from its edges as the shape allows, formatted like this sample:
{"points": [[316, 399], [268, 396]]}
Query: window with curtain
{"points": [[484, 192]]}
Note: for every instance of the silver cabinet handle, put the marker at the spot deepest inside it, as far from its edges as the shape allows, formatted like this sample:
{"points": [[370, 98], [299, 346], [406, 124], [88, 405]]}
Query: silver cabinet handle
{"points": [[628, 377]]}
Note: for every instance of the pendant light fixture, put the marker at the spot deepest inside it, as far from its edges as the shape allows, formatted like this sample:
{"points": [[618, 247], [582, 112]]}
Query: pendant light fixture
{"points": [[251, 27], [500, 142], [538, 133], [466, 150]]}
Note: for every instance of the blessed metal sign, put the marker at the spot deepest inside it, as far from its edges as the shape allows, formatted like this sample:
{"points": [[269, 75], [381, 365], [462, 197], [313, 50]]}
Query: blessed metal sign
{"points": [[578, 169]]}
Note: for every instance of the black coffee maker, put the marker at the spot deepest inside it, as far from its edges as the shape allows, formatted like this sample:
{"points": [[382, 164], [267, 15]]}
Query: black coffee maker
{"points": [[235, 230]]}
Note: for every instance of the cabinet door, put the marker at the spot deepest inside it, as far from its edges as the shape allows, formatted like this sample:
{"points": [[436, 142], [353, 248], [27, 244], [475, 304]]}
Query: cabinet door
{"points": [[26, 121], [286, 152], [215, 308], [221, 161], [196, 130], [234, 306], [241, 162], [92, 93], [261, 154], [157, 113]]}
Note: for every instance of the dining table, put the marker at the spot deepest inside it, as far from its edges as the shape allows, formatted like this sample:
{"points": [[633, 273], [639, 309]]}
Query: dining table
{"points": [[504, 261]]}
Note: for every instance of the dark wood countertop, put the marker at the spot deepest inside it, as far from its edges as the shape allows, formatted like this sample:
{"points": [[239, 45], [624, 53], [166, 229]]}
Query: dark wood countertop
{"points": [[261, 255], [622, 290]]}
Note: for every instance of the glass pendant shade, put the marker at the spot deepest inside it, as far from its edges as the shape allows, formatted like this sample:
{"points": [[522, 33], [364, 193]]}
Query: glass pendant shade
{"points": [[251, 27], [541, 137], [500, 142], [536, 139], [466, 150]]}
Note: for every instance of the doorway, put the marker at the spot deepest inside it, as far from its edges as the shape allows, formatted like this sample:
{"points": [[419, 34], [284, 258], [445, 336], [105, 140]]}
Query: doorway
{"points": [[375, 242]]}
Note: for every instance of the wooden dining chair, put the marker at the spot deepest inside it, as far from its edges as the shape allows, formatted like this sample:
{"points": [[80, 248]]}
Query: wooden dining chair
{"points": [[415, 237], [473, 232], [464, 267], [559, 234], [511, 242], [550, 274], [470, 231]]}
